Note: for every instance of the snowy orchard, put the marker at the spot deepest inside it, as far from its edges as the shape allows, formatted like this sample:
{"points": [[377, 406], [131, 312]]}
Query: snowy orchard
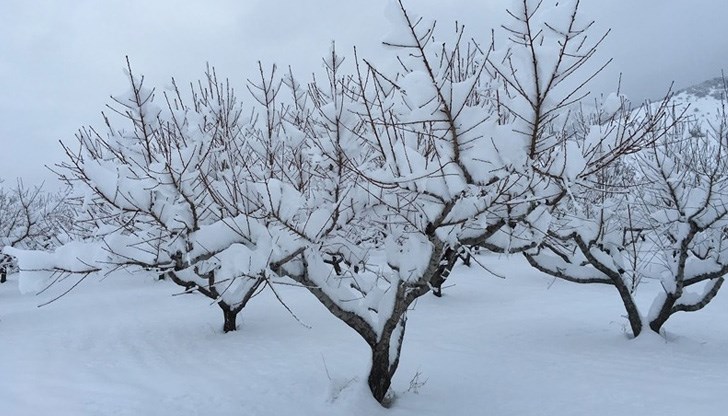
{"points": [[30, 219], [361, 186]]}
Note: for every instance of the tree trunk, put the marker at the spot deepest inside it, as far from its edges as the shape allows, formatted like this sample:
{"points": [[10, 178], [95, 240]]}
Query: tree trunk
{"points": [[3, 274], [466, 259], [384, 365], [380, 375], [447, 262], [633, 314], [664, 314], [230, 315]]}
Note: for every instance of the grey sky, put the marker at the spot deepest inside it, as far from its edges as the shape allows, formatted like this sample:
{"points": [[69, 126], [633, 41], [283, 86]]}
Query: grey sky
{"points": [[61, 59]]}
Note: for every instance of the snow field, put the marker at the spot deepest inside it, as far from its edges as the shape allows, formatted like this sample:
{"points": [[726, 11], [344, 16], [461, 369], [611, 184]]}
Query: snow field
{"points": [[520, 346]]}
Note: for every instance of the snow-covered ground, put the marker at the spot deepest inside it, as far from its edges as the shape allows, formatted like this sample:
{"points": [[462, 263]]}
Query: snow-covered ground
{"points": [[525, 345]]}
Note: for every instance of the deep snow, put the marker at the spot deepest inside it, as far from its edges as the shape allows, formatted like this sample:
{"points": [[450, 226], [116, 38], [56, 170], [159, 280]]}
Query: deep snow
{"points": [[524, 345]]}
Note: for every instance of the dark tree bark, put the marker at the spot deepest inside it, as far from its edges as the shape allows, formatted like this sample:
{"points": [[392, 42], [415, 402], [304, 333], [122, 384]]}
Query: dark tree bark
{"points": [[383, 364], [633, 314], [611, 277], [466, 258], [671, 305], [4, 262], [664, 314], [668, 305], [230, 315], [385, 347], [381, 372], [447, 262]]}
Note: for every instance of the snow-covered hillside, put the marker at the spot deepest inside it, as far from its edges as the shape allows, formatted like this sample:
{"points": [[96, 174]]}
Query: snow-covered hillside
{"points": [[524, 345], [713, 88], [702, 100]]}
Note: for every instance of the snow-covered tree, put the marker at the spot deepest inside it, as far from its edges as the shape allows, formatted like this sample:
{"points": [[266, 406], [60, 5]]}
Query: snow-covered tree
{"points": [[460, 146], [30, 219], [658, 215], [145, 189], [685, 208]]}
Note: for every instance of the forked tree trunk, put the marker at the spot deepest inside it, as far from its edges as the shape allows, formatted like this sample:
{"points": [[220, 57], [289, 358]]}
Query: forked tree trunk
{"points": [[387, 344], [230, 315], [664, 314], [613, 278], [670, 304], [616, 279]]}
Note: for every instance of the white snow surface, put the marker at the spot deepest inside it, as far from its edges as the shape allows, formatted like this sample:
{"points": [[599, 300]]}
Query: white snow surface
{"points": [[524, 345]]}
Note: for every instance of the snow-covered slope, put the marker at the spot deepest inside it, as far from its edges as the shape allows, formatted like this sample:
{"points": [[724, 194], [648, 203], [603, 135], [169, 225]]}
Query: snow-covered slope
{"points": [[703, 100], [713, 88], [525, 345]]}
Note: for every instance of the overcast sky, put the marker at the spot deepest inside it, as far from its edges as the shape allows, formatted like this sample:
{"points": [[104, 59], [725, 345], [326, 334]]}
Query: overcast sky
{"points": [[61, 59]]}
